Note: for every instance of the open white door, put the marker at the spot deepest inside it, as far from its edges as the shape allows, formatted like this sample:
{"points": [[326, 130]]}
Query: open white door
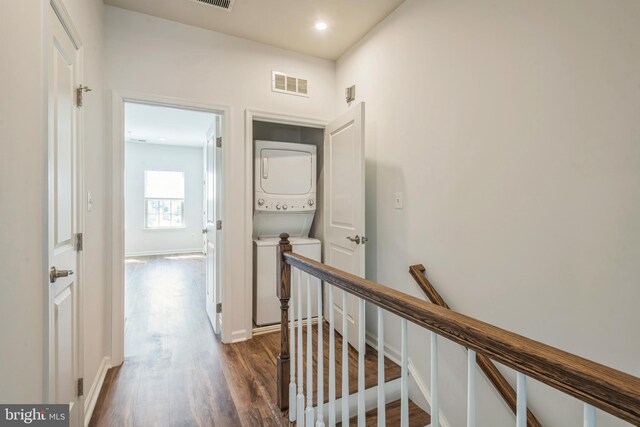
{"points": [[344, 206], [64, 289], [212, 230]]}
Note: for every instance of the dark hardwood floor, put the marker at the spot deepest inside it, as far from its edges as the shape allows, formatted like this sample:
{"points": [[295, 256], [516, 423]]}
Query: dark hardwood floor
{"points": [[178, 373]]}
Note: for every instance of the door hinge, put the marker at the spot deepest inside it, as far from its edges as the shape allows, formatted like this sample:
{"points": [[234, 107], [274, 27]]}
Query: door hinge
{"points": [[80, 93], [79, 242], [80, 387], [219, 142], [219, 224], [219, 307]]}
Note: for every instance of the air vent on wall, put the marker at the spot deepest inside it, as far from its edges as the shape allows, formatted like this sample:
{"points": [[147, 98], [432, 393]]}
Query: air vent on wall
{"points": [[285, 83], [220, 4]]}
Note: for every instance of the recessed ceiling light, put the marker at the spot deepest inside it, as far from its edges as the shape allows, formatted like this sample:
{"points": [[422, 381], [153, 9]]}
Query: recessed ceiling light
{"points": [[321, 25], [162, 138]]}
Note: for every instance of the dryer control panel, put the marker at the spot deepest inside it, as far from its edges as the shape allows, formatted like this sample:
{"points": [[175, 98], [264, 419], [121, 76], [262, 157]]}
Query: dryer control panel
{"points": [[285, 204]]}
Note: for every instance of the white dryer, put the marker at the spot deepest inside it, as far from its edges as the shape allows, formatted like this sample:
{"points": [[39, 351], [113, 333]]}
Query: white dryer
{"points": [[284, 188]]}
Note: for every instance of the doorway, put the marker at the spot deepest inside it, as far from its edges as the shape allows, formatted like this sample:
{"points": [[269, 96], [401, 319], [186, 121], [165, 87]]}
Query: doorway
{"points": [[167, 284], [342, 162], [163, 190]]}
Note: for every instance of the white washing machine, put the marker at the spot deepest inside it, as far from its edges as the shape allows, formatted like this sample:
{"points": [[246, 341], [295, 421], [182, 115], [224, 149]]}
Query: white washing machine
{"points": [[284, 201], [266, 278]]}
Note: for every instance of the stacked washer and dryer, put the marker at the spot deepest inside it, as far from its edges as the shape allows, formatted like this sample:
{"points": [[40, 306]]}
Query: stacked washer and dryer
{"points": [[284, 201]]}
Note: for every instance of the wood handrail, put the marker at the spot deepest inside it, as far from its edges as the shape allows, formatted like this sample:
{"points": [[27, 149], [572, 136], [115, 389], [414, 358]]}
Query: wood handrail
{"points": [[613, 391], [488, 367]]}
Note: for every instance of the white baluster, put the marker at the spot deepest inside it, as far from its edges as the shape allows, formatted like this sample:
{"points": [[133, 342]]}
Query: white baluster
{"points": [[300, 397], [361, 350], [471, 388], [589, 416], [292, 356], [320, 415], [332, 360], [404, 382], [521, 403], [345, 361], [382, 416], [310, 413], [435, 404]]}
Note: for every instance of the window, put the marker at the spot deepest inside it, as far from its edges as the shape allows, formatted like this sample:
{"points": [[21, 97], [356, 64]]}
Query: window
{"points": [[164, 199]]}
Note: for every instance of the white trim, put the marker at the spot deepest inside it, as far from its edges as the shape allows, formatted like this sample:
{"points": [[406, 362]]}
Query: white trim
{"points": [[271, 117], [268, 329], [118, 100], [263, 330], [47, 365], [164, 252], [418, 390], [92, 397], [67, 22], [391, 392], [238, 336], [285, 119]]}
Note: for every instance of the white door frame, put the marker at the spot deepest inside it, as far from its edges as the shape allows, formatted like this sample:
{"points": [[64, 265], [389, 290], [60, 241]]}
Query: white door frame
{"points": [[270, 117], [118, 99], [49, 380]]}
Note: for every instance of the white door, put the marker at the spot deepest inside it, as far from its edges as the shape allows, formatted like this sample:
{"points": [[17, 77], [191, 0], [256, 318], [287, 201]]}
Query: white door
{"points": [[64, 289], [213, 161], [344, 206]]}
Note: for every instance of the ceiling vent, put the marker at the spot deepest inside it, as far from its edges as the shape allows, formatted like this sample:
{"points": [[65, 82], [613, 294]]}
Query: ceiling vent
{"points": [[220, 4], [284, 83]]}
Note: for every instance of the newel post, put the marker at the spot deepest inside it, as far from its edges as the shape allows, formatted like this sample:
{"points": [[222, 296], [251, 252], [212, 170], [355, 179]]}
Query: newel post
{"points": [[284, 294]]}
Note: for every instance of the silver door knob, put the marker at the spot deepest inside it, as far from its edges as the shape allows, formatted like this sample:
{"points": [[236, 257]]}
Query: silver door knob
{"points": [[356, 239], [55, 274]]}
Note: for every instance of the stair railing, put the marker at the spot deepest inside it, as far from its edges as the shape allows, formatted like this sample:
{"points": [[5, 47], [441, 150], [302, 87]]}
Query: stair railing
{"points": [[488, 367], [596, 385]]}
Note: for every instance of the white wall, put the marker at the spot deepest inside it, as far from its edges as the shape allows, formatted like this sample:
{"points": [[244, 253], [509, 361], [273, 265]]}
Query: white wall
{"points": [[22, 218], [160, 57], [142, 157], [512, 129], [23, 185]]}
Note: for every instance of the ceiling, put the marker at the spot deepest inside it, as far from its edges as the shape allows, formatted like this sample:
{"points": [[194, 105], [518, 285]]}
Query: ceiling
{"points": [[154, 124], [287, 24]]}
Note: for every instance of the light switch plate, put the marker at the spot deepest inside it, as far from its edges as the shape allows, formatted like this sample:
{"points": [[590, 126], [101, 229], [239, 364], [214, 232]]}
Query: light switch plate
{"points": [[398, 202]]}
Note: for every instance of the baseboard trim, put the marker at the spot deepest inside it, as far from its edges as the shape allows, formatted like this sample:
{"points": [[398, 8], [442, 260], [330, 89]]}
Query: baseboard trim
{"points": [[262, 330], [92, 397], [239, 336], [424, 390], [163, 252], [391, 392], [415, 380]]}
